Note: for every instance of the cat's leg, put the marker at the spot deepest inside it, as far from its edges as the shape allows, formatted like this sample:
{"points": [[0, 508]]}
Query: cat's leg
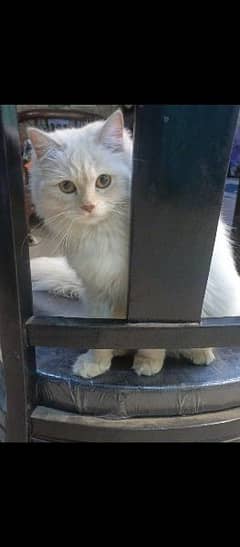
{"points": [[53, 274], [93, 363], [97, 361], [203, 356], [148, 362]]}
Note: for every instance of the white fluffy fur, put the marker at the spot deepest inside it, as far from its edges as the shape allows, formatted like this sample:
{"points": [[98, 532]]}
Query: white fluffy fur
{"points": [[222, 297], [96, 244], [55, 276]]}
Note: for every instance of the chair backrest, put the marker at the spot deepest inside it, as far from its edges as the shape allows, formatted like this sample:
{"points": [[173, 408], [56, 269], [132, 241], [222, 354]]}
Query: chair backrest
{"points": [[181, 156], [180, 163]]}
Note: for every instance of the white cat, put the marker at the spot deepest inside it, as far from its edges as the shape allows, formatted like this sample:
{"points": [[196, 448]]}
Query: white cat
{"points": [[81, 185]]}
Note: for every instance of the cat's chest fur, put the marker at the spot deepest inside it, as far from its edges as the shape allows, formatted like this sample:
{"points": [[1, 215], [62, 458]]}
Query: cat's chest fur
{"points": [[99, 255]]}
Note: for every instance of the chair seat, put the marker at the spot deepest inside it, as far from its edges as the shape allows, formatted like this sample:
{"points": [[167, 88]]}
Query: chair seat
{"points": [[181, 388]]}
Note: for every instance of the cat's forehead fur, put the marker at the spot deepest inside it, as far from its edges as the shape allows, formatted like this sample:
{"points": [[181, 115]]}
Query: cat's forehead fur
{"points": [[82, 149], [84, 136]]}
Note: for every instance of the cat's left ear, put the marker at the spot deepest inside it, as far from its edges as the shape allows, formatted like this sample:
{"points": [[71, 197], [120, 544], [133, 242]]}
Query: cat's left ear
{"points": [[111, 134], [42, 142]]}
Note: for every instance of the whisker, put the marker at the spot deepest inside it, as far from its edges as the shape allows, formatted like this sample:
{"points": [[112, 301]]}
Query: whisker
{"points": [[68, 233], [62, 239], [50, 220]]}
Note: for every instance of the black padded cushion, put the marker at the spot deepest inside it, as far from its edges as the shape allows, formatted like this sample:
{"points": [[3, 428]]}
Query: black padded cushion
{"points": [[181, 388]]}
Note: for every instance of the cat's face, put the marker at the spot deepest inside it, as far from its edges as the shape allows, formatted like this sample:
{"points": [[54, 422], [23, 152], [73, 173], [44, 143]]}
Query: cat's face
{"points": [[82, 174]]}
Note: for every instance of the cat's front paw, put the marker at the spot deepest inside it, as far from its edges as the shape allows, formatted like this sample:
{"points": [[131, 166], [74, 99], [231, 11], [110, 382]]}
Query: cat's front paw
{"points": [[68, 291], [87, 366], [200, 356], [148, 366]]}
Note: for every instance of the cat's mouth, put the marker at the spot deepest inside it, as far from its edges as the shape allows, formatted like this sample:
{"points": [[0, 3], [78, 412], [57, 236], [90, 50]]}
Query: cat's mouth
{"points": [[90, 217], [87, 214]]}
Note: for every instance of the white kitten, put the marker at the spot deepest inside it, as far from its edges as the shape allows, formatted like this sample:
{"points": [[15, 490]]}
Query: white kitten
{"points": [[81, 184]]}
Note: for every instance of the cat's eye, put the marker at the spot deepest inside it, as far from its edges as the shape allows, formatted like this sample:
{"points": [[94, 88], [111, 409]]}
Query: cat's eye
{"points": [[103, 181], [67, 187]]}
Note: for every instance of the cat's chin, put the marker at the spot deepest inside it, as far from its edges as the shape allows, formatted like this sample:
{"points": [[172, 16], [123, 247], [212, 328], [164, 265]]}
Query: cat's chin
{"points": [[91, 219]]}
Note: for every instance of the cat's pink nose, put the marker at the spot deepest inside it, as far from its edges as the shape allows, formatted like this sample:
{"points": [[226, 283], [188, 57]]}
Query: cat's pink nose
{"points": [[88, 207]]}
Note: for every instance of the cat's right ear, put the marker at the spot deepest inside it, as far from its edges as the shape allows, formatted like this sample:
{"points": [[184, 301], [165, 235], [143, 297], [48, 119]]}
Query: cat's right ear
{"points": [[111, 134], [41, 141]]}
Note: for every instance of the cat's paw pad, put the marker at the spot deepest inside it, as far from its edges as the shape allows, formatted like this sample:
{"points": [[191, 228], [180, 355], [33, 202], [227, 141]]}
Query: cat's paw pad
{"points": [[144, 366], [202, 356], [71, 291], [87, 368]]}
